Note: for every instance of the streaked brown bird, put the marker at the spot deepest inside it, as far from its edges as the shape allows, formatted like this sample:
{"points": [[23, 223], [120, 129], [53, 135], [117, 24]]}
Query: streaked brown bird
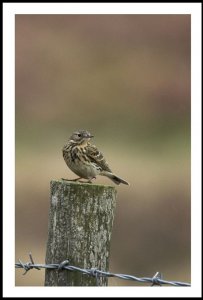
{"points": [[85, 160]]}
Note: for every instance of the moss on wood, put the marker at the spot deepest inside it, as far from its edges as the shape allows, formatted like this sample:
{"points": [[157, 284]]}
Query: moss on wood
{"points": [[80, 225]]}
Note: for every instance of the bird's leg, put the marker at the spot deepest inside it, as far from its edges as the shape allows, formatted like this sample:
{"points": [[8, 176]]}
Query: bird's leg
{"points": [[76, 179], [90, 180]]}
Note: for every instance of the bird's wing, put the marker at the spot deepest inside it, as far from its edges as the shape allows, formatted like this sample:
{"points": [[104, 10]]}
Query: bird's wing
{"points": [[97, 157]]}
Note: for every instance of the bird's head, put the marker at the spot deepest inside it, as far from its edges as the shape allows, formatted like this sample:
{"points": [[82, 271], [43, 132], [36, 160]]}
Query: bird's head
{"points": [[81, 136]]}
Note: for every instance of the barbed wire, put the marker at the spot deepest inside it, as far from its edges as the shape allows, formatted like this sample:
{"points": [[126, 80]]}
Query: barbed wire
{"points": [[65, 265]]}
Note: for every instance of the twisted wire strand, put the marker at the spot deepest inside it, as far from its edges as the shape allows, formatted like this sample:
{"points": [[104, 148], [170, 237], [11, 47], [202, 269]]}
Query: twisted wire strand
{"points": [[155, 280]]}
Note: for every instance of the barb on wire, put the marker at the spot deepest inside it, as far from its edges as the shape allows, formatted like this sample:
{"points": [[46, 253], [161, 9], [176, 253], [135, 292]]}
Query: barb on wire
{"points": [[65, 265], [28, 266], [155, 279]]}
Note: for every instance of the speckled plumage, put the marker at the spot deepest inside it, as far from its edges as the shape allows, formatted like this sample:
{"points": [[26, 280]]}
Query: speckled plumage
{"points": [[85, 160]]}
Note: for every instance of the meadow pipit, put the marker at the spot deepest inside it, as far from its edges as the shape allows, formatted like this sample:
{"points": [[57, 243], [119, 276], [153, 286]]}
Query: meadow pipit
{"points": [[85, 160]]}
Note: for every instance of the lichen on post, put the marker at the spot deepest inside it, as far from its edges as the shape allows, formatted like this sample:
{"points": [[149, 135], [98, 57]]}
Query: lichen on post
{"points": [[80, 225]]}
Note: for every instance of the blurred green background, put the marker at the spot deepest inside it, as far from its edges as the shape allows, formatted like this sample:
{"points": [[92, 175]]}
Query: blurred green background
{"points": [[126, 79]]}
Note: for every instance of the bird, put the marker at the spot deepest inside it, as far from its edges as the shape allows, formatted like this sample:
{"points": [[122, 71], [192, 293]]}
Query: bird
{"points": [[85, 160]]}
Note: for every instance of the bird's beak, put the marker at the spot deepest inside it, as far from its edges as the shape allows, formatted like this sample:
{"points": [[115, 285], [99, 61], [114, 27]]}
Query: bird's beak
{"points": [[91, 136]]}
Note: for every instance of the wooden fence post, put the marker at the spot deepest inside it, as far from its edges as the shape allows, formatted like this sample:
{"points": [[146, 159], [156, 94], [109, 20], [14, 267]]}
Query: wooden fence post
{"points": [[80, 224]]}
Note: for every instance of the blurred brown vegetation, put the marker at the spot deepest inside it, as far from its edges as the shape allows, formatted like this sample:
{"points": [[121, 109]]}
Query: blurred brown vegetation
{"points": [[126, 79]]}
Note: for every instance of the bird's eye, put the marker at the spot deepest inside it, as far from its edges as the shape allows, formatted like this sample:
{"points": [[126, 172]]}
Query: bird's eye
{"points": [[79, 135]]}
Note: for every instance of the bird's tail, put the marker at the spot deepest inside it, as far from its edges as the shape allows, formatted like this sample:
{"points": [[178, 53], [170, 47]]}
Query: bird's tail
{"points": [[113, 177]]}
